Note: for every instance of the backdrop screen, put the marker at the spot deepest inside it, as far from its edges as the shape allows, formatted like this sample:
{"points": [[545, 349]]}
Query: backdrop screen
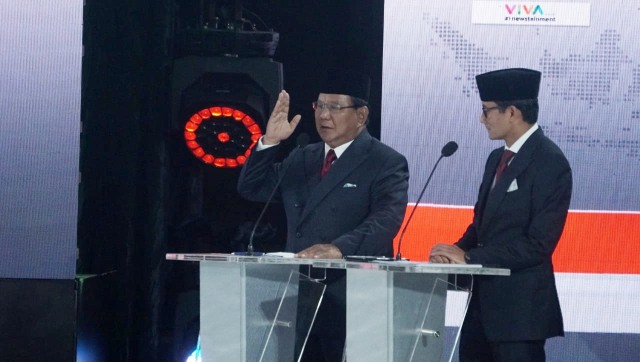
{"points": [[589, 57], [41, 44]]}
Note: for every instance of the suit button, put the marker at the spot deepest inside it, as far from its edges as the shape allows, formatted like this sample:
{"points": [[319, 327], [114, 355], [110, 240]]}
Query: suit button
{"points": [[298, 235], [296, 205], [480, 245]]}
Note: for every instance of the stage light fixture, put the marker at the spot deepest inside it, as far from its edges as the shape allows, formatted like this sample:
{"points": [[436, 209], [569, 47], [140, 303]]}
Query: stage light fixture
{"points": [[221, 136], [222, 105]]}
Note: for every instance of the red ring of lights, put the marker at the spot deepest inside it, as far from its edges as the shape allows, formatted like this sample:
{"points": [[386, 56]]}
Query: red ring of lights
{"points": [[214, 114]]}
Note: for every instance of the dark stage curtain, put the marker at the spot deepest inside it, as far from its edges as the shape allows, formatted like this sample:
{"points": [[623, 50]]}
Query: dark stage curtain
{"points": [[142, 194]]}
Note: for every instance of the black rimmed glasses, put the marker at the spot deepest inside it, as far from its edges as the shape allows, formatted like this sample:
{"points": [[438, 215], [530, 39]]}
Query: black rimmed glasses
{"points": [[485, 111], [332, 107]]}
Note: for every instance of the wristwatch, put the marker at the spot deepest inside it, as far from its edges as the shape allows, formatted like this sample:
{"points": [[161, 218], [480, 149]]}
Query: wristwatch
{"points": [[467, 259]]}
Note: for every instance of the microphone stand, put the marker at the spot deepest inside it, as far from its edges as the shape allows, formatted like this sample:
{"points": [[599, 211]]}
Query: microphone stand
{"points": [[399, 255], [449, 149], [302, 141]]}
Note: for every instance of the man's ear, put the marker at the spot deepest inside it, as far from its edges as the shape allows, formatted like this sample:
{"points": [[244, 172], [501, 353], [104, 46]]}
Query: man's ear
{"points": [[363, 114], [514, 112]]}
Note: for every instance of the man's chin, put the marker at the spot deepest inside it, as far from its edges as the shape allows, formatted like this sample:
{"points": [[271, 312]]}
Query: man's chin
{"points": [[325, 135]]}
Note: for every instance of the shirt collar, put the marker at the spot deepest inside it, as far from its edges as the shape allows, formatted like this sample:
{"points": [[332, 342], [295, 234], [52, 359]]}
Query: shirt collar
{"points": [[515, 147], [338, 150]]}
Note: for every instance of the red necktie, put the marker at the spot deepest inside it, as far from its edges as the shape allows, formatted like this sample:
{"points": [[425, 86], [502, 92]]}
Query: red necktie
{"points": [[504, 161], [328, 160]]}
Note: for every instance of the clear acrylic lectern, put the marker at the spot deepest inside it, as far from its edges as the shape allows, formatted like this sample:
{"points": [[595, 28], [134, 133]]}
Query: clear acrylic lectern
{"points": [[261, 308]]}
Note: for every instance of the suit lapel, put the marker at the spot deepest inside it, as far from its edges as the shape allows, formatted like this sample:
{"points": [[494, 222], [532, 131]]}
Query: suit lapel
{"points": [[520, 163], [487, 180], [354, 155], [313, 164]]}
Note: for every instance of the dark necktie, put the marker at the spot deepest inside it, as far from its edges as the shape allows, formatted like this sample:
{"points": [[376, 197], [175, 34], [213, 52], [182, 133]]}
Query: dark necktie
{"points": [[504, 161], [328, 161]]}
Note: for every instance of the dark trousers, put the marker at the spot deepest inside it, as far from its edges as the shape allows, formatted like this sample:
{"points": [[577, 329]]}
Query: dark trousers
{"points": [[327, 337], [474, 346], [320, 348]]}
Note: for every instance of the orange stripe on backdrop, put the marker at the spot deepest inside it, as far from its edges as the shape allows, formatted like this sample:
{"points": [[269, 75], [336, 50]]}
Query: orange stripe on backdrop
{"points": [[591, 243]]}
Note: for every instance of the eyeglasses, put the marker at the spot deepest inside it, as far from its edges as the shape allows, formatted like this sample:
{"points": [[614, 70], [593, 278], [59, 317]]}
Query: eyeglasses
{"points": [[332, 107], [485, 111]]}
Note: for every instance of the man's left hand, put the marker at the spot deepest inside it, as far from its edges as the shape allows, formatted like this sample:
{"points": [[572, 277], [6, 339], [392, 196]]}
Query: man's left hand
{"points": [[320, 251]]}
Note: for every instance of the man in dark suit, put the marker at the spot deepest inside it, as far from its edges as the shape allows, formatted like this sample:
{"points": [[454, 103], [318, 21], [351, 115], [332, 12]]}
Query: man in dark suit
{"points": [[350, 204], [518, 220]]}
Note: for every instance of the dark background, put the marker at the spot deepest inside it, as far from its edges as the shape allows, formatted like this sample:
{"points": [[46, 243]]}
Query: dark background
{"points": [[142, 194]]}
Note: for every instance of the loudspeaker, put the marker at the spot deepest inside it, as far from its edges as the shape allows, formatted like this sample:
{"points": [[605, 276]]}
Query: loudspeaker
{"points": [[37, 320]]}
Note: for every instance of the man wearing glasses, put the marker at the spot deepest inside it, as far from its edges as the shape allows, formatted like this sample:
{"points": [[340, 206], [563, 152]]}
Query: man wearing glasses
{"points": [[518, 220], [344, 196]]}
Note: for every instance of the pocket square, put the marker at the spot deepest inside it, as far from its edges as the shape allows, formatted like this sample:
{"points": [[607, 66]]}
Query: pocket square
{"points": [[347, 185], [513, 186]]}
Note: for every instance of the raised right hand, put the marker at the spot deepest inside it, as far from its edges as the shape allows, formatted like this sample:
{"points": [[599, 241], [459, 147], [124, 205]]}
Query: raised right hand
{"points": [[279, 127]]}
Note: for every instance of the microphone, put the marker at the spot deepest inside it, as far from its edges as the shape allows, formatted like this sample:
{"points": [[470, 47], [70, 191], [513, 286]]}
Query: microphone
{"points": [[449, 149], [301, 142]]}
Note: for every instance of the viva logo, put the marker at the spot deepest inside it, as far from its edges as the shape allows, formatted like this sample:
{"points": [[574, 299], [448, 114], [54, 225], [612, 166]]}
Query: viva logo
{"points": [[521, 9]]}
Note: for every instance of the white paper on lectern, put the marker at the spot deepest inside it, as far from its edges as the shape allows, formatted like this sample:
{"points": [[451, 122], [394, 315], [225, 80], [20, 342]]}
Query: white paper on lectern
{"points": [[283, 254]]}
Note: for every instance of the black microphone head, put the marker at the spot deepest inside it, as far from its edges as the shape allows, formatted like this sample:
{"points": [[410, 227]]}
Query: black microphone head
{"points": [[302, 140], [449, 149]]}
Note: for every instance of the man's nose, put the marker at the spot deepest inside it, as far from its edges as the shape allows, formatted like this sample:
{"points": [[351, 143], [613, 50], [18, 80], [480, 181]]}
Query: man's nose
{"points": [[324, 112]]}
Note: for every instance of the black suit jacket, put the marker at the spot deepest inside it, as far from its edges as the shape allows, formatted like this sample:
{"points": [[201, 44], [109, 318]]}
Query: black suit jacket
{"points": [[517, 225], [358, 206]]}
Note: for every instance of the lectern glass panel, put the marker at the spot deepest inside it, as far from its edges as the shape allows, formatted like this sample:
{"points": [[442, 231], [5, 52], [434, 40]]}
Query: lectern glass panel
{"points": [[255, 311], [293, 319]]}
